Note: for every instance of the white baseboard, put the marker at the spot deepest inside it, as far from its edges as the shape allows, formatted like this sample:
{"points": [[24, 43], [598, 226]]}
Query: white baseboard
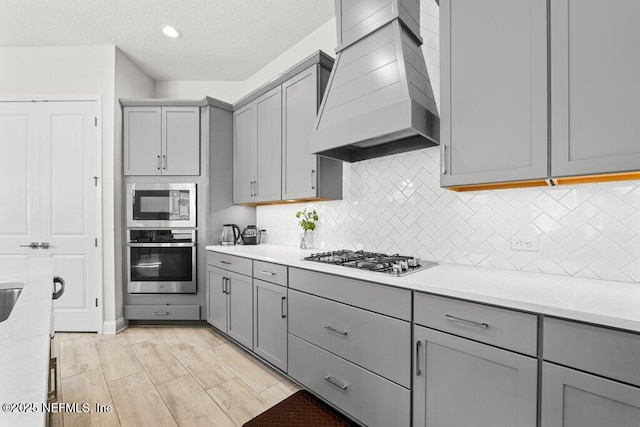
{"points": [[112, 327]]}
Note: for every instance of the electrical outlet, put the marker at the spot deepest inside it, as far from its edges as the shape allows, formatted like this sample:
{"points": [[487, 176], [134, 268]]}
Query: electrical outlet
{"points": [[525, 243]]}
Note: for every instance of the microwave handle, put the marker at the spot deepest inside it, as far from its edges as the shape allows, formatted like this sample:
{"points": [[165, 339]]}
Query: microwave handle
{"points": [[161, 245]]}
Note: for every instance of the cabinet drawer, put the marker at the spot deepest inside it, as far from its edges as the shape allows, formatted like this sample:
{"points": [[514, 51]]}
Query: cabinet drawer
{"points": [[230, 262], [501, 327], [364, 395], [606, 352], [162, 312], [270, 272], [387, 300], [376, 342]]}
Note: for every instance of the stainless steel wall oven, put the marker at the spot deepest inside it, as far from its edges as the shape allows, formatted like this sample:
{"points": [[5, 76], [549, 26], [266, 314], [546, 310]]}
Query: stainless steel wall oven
{"points": [[161, 261]]}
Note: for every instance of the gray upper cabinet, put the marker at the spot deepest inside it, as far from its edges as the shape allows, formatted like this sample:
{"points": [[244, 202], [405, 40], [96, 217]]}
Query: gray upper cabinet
{"points": [[594, 87], [270, 322], [494, 96], [142, 133], [300, 105], [257, 147], [576, 399], [458, 382], [272, 127], [161, 140], [268, 184], [245, 137], [181, 140]]}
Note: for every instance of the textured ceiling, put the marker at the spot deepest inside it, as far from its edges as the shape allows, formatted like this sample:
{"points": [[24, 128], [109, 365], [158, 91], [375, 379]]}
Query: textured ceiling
{"points": [[221, 39]]}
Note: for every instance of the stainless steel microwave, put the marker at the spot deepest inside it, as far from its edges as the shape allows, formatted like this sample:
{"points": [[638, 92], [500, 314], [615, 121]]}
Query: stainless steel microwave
{"points": [[161, 205]]}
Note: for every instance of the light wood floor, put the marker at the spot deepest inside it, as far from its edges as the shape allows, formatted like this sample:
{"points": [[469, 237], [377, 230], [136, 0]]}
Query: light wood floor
{"points": [[162, 376]]}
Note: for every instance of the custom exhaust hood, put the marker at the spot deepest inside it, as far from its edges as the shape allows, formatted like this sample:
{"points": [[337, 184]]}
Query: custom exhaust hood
{"points": [[379, 99]]}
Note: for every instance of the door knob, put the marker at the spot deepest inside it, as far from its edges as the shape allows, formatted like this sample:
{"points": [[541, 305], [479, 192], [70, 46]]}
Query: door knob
{"points": [[32, 245]]}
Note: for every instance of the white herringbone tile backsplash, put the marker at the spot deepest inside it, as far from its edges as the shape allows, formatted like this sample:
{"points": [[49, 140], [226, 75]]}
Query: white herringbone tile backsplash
{"points": [[395, 204]]}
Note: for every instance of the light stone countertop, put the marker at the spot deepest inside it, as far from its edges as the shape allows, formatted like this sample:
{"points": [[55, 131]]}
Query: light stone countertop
{"points": [[24, 346], [608, 303]]}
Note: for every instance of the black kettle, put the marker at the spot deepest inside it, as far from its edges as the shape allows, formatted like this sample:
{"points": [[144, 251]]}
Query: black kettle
{"points": [[230, 234]]}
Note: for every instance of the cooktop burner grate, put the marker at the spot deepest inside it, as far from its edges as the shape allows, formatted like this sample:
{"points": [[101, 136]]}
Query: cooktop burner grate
{"points": [[396, 265]]}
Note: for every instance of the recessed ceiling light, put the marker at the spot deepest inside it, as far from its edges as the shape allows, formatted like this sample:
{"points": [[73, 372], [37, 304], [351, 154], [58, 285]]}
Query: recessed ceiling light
{"points": [[169, 31]]}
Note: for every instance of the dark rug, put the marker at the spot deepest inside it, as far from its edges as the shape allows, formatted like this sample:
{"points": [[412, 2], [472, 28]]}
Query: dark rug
{"points": [[301, 409]]}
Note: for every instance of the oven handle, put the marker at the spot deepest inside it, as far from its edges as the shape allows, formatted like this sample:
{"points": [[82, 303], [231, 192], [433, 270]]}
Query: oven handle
{"points": [[161, 245]]}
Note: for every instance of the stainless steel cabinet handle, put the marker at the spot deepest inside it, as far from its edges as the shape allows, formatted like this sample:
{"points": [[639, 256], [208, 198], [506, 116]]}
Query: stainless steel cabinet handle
{"points": [[164, 161], [32, 245], [159, 162], [225, 262], [268, 273], [45, 245], [444, 160], [283, 315], [418, 371], [313, 181], [465, 321], [336, 382], [161, 313], [224, 286], [332, 329]]}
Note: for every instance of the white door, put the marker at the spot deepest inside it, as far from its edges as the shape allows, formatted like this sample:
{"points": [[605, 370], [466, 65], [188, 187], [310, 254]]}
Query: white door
{"points": [[64, 208]]}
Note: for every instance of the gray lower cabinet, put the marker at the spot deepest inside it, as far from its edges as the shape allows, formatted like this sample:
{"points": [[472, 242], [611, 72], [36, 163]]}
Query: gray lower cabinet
{"points": [[594, 127], [367, 397], [230, 304], [270, 322], [494, 91], [161, 140], [459, 382], [572, 398], [217, 298]]}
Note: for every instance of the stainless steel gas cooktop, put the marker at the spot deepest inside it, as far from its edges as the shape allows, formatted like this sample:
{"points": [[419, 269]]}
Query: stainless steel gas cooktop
{"points": [[395, 265]]}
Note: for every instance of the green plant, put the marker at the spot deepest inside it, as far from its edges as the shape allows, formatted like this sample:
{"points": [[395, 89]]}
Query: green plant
{"points": [[308, 221]]}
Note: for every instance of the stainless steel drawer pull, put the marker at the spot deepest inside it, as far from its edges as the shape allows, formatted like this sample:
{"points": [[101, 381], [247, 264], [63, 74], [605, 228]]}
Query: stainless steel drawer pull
{"points": [[268, 273], [336, 382], [225, 262], [161, 313], [332, 329], [468, 322]]}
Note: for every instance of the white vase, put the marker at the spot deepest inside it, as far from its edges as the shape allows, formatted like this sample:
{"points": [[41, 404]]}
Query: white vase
{"points": [[306, 240]]}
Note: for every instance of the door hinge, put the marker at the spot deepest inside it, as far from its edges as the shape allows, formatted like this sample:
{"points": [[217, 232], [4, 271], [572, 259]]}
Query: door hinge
{"points": [[95, 121], [96, 242], [96, 302], [95, 181]]}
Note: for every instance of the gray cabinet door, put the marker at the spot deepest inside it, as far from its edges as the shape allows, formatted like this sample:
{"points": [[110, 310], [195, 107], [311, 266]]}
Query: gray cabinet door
{"points": [[180, 140], [245, 137], [217, 298], [458, 382], [269, 163], [594, 87], [240, 294], [142, 135], [494, 91], [270, 322], [574, 399], [300, 106]]}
